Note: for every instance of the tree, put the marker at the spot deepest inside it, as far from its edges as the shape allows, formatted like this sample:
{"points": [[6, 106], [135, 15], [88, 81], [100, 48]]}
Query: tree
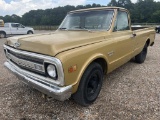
{"points": [[125, 3], [141, 12], [156, 16], [113, 3]]}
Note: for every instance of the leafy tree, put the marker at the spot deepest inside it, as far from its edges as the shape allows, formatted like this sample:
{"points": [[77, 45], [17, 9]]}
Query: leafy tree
{"points": [[142, 11], [113, 3], [156, 16]]}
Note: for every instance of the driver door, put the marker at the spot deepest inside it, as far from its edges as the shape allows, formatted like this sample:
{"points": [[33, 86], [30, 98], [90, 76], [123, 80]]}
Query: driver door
{"points": [[14, 28], [21, 29], [124, 38]]}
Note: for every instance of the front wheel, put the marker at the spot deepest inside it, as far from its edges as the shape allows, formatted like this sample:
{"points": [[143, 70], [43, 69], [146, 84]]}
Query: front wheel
{"points": [[90, 85], [2, 35], [29, 32], [140, 58]]}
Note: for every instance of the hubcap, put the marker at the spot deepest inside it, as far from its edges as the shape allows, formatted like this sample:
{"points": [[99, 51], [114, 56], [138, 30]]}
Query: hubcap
{"points": [[1, 35]]}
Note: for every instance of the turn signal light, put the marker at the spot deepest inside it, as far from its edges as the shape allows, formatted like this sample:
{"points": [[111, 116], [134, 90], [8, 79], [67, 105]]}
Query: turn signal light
{"points": [[72, 69]]}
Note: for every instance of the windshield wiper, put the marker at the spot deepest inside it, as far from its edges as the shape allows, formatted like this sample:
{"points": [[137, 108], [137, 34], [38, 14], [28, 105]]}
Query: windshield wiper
{"points": [[86, 29], [82, 28], [63, 28], [79, 28]]}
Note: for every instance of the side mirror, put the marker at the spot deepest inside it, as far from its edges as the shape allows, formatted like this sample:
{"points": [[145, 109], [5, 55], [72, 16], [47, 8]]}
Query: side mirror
{"points": [[134, 34]]}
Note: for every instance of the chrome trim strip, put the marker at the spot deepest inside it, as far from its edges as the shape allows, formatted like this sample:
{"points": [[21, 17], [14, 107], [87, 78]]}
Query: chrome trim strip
{"points": [[59, 93], [47, 59]]}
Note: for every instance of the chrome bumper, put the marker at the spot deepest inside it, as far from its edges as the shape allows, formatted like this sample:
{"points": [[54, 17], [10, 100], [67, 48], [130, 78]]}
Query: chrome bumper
{"points": [[59, 93]]}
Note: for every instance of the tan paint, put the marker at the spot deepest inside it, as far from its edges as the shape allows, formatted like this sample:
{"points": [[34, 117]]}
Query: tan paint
{"points": [[80, 48]]}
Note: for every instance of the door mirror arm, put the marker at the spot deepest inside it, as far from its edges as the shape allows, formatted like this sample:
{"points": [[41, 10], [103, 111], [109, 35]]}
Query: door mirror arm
{"points": [[134, 35]]}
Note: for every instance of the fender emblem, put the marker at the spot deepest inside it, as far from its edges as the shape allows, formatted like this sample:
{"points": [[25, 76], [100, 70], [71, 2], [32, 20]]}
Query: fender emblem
{"points": [[110, 53], [17, 44]]}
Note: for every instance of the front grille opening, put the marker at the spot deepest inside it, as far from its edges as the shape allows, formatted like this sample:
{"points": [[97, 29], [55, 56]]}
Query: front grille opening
{"points": [[28, 58], [30, 69]]}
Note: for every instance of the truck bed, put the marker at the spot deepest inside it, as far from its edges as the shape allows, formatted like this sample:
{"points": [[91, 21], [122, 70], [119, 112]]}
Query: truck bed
{"points": [[137, 28]]}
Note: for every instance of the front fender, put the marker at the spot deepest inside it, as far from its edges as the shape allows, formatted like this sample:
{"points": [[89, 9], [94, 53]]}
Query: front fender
{"points": [[82, 61], [86, 64]]}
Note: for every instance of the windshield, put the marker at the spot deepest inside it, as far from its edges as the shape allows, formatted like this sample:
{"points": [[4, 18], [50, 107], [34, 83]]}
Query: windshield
{"points": [[88, 20]]}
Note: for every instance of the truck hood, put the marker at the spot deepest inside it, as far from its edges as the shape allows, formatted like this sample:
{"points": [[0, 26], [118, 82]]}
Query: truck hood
{"points": [[56, 42]]}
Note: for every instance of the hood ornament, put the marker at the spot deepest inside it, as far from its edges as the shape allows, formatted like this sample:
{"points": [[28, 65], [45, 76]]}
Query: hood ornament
{"points": [[17, 44]]}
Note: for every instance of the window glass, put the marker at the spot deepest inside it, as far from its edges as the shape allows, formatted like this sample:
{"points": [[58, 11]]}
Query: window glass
{"points": [[20, 26], [90, 20], [98, 21], [121, 22], [14, 25], [73, 22], [6, 25]]}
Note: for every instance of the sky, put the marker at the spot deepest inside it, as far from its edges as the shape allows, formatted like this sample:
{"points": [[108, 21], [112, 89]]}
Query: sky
{"points": [[19, 7]]}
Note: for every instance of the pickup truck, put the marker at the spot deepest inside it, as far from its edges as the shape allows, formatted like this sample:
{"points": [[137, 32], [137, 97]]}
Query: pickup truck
{"points": [[14, 29], [72, 61], [157, 29]]}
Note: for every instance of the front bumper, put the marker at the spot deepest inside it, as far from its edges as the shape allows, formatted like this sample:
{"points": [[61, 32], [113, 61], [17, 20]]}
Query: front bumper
{"points": [[59, 93]]}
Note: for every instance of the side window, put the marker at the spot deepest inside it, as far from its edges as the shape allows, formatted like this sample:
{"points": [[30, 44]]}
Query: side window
{"points": [[121, 22], [6, 25], [14, 25], [20, 26]]}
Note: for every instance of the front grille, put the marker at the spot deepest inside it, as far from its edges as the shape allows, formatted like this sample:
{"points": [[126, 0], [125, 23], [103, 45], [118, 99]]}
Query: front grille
{"points": [[28, 58], [26, 62]]}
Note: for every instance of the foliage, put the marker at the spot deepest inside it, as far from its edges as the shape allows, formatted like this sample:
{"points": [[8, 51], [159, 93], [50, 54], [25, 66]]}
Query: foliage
{"points": [[143, 11]]}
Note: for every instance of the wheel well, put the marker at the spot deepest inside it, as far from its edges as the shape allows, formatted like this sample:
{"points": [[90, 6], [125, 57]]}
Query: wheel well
{"points": [[3, 32], [148, 42], [103, 63], [29, 31]]}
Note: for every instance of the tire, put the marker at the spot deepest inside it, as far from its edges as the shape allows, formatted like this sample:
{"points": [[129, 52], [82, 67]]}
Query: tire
{"points": [[29, 32], [90, 85], [140, 58], [2, 35]]}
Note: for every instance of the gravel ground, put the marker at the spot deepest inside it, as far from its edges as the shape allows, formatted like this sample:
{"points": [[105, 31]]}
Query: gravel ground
{"points": [[132, 92]]}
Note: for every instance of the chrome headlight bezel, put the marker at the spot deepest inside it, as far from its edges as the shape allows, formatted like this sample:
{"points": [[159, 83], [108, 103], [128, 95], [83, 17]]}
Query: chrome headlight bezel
{"points": [[52, 71]]}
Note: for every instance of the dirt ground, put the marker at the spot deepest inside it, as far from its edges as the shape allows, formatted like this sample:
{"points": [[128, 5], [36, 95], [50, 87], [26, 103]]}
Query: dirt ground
{"points": [[132, 92]]}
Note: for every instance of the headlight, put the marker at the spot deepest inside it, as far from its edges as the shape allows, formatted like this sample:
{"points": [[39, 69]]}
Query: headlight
{"points": [[51, 70]]}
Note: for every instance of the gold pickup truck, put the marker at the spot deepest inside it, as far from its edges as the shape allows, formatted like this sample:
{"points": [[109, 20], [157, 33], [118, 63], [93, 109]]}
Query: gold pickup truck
{"points": [[72, 60]]}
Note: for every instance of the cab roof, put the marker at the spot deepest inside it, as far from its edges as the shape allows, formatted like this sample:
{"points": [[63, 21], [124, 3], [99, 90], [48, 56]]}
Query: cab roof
{"points": [[12, 23], [97, 8]]}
